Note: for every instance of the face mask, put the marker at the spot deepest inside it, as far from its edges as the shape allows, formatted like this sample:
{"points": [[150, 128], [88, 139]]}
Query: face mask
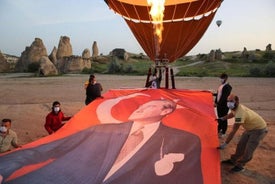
{"points": [[56, 109], [3, 129], [222, 81], [231, 105]]}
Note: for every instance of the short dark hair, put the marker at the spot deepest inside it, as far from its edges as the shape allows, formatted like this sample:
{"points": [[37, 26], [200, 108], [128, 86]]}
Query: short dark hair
{"points": [[223, 76], [236, 98], [6, 120], [56, 103], [91, 78]]}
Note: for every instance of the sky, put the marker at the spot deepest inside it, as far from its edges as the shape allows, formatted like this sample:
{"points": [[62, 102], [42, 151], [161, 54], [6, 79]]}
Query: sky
{"points": [[245, 23]]}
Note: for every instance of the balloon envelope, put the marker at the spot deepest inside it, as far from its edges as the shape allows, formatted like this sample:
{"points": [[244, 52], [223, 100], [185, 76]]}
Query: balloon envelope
{"points": [[184, 22]]}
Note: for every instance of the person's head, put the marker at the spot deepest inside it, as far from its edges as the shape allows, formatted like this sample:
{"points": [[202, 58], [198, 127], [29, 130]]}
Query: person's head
{"points": [[153, 111], [56, 107], [232, 101], [92, 79], [5, 125], [223, 78]]}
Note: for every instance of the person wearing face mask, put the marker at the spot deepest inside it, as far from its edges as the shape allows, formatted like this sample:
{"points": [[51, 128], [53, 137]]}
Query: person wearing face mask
{"points": [[54, 120], [220, 102], [255, 130], [8, 138]]}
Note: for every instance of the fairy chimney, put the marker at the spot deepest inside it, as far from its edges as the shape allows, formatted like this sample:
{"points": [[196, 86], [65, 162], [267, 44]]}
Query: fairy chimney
{"points": [[47, 67], [86, 54], [31, 54], [268, 48], [4, 65], [52, 56], [64, 47], [95, 49]]}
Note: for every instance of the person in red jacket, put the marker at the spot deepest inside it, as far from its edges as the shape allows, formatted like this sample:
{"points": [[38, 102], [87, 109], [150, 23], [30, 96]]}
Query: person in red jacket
{"points": [[54, 120]]}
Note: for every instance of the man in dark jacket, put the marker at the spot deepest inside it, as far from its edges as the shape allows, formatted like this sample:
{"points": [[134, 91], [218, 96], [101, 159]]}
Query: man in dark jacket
{"points": [[93, 90], [223, 92]]}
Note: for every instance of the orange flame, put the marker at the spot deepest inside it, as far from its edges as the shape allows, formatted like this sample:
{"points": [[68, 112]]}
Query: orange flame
{"points": [[157, 14]]}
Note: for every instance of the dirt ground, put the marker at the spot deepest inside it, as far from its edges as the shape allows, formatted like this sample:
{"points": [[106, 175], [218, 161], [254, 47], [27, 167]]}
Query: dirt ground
{"points": [[26, 100]]}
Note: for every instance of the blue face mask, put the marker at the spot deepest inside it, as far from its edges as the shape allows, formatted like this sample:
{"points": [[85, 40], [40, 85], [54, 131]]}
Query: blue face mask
{"points": [[3, 129], [231, 105]]}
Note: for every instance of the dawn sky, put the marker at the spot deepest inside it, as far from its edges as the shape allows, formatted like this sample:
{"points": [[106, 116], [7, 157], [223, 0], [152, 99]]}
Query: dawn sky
{"points": [[245, 23]]}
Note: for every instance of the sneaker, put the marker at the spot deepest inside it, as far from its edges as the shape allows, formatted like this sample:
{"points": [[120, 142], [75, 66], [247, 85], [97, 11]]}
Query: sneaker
{"points": [[222, 135], [237, 169], [229, 161]]}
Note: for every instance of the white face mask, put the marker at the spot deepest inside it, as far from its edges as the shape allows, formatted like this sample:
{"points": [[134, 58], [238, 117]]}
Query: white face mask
{"points": [[222, 81], [3, 129], [56, 109], [231, 105]]}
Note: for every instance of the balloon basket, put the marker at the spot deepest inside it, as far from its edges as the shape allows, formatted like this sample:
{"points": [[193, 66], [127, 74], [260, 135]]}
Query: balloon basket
{"points": [[157, 71]]}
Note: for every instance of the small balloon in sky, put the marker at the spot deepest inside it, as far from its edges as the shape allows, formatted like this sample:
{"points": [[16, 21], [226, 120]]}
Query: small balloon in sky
{"points": [[219, 22]]}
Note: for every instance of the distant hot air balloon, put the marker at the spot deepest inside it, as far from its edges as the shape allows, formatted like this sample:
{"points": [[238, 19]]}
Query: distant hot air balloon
{"points": [[184, 23], [218, 22]]}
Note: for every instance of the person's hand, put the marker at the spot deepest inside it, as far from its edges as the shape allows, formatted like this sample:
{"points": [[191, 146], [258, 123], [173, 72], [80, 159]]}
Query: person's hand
{"points": [[222, 146], [1, 178], [221, 118]]}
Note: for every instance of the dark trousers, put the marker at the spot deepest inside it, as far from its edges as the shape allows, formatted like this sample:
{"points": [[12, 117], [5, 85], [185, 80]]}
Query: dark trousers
{"points": [[248, 143], [222, 124]]}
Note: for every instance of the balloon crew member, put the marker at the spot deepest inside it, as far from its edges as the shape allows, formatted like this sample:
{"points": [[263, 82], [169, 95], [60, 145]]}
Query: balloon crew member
{"points": [[93, 90], [8, 138], [223, 92], [54, 120], [255, 130]]}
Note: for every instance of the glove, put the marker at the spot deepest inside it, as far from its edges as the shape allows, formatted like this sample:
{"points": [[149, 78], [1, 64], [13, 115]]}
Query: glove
{"points": [[222, 146], [221, 118]]}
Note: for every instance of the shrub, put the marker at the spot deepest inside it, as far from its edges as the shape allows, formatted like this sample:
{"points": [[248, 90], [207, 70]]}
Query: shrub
{"points": [[86, 70], [269, 55], [269, 70], [114, 66], [255, 72]]}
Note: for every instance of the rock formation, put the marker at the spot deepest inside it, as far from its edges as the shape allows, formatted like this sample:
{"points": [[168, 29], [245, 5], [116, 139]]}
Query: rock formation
{"points": [[120, 53], [4, 65], [52, 56], [218, 54], [47, 67], [73, 64], [268, 48], [215, 55], [211, 56], [31, 54], [64, 48], [94, 49], [245, 53], [86, 54]]}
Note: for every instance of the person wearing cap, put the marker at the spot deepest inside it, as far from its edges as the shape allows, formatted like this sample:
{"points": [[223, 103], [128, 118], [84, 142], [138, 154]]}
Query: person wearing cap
{"points": [[54, 120], [223, 92], [255, 130], [8, 138]]}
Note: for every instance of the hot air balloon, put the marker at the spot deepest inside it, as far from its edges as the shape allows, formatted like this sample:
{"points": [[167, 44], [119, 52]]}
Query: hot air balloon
{"points": [[171, 34], [219, 22], [184, 23]]}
